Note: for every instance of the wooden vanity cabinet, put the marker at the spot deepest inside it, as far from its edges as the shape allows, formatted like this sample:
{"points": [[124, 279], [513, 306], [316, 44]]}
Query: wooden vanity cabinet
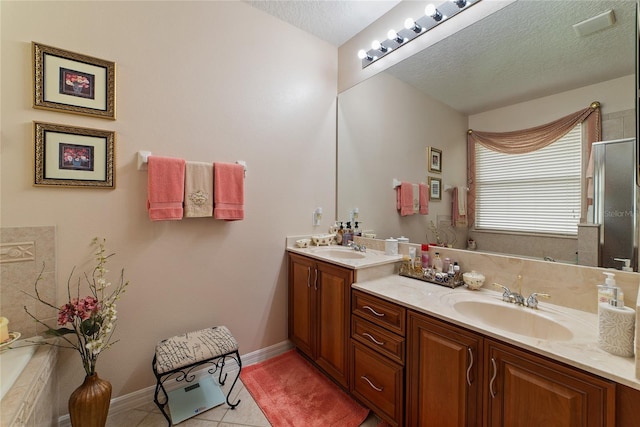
{"points": [[523, 389], [458, 378], [319, 314], [378, 330], [444, 374]]}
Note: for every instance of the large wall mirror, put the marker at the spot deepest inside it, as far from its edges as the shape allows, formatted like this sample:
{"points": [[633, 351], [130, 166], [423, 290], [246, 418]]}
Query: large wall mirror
{"points": [[520, 67]]}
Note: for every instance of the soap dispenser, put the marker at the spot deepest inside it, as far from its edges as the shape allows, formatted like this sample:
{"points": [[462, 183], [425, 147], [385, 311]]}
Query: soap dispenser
{"points": [[616, 326], [605, 291]]}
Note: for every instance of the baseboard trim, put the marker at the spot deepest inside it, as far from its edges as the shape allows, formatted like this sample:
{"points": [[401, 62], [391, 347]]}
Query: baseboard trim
{"points": [[145, 396]]}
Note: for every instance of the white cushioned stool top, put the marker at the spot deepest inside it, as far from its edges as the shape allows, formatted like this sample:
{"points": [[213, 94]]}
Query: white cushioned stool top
{"points": [[192, 347]]}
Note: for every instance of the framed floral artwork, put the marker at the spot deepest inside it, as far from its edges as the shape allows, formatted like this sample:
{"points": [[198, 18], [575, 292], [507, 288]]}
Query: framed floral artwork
{"points": [[434, 160], [68, 156], [73, 83], [435, 188]]}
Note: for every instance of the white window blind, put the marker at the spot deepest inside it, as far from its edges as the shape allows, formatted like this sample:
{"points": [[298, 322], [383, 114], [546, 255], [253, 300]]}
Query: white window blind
{"points": [[536, 192]]}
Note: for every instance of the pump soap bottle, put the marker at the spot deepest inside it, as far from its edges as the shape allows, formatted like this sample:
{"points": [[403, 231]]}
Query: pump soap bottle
{"points": [[616, 326], [605, 292]]}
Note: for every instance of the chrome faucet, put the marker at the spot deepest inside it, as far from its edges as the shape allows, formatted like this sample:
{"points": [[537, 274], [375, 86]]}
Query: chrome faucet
{"points": [[509, 296], [532, 301], [518, 299], [357, 247]]}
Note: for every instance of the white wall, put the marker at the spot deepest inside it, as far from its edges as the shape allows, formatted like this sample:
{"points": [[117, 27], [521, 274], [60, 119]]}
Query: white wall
{"points": [[613, 95], [191, 83], [385, 127]]}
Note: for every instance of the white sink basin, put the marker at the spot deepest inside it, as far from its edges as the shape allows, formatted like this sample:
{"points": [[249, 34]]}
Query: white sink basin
{"points": [[339, 253], [515, 319]]}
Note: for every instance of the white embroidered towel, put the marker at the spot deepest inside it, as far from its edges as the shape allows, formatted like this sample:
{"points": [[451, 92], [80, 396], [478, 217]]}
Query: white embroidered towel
{"points": [[416, 198], [462, 201], [198, 189]]}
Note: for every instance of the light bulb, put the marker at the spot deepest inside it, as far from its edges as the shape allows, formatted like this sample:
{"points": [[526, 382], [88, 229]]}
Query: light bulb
{"points": [[376, 45], [393, 35], [410, 24], [362, 54], [430, 10], [434, 13]]}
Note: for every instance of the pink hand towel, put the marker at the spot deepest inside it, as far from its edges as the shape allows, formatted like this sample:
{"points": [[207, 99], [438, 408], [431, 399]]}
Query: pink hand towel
{"points": [[165, 188], [424, 199], [405, 198], [228, 191]]}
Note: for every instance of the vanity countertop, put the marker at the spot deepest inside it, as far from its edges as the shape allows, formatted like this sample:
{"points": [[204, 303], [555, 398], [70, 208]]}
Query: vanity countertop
{"points": [[581, 351], [370, 258]]}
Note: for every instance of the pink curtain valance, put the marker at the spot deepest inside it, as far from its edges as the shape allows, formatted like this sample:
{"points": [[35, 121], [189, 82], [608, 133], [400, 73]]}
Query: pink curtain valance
{"points": [[535, 138]]}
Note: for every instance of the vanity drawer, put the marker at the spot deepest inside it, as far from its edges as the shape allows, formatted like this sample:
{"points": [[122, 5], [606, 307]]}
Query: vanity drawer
{"points": [[378, 383], [378, 339], [378, 311]]}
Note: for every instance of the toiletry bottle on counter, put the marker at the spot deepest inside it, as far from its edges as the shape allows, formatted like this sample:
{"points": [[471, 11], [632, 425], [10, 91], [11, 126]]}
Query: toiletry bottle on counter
{"points": [[605, 291], [340, 234], [437, 263], [445, 264], [348, 234], [616, 326], [412, 255], [425, 256]]}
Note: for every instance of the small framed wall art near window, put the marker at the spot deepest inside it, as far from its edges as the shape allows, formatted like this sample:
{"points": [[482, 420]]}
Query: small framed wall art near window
{"points": [[435, 188], [67, 156], [73, 83], [434, 160]]}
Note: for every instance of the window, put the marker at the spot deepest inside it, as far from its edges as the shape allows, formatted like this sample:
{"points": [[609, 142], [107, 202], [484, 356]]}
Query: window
{"points": [[536, 192]]}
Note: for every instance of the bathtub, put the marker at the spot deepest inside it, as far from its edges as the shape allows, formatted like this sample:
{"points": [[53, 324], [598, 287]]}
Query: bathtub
{"points": [[12, 363], [28, 384]]}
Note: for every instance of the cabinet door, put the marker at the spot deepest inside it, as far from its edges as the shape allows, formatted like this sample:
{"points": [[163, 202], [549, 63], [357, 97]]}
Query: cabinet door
{"points": [[333, 308], [302, 284], [443, 374], [526, 390]]}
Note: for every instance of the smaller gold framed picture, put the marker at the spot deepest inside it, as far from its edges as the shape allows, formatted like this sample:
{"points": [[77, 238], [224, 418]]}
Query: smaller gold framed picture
{"points": [[434, 160], [69, 156]]}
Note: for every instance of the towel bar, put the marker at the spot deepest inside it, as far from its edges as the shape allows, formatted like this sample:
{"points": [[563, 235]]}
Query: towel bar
{"points": [[143, 160]]}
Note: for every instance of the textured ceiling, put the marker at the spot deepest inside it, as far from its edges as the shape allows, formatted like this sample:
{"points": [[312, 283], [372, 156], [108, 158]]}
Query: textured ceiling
{"points": [[332, 21], [524, 51]]}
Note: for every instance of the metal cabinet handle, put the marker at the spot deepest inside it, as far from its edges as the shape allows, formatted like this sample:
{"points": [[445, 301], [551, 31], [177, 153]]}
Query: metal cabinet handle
{"points": [[470, 366], [309, 277], [493, 378], [371, 384], [315, 282], [373, 311], [372, 338]]}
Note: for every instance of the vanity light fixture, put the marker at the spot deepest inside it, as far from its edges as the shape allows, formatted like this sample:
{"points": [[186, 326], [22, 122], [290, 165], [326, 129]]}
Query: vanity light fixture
{"points": [[414, 28], [393, 35], [432, 12], [362, 54], [376, 45], [412, 25], [460, 3]]}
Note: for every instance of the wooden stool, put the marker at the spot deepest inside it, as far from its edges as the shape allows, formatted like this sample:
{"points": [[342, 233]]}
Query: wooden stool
{"points": [[178, 356]]}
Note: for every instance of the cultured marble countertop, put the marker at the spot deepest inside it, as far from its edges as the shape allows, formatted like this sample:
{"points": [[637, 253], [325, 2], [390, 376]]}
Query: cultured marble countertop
{"points": [[581, 351], [371, 258]]}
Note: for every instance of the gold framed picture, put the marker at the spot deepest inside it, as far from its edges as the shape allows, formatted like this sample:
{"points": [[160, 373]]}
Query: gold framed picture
{"points": [[68, 156], [434, 160], [73, 83], [435, 188]]}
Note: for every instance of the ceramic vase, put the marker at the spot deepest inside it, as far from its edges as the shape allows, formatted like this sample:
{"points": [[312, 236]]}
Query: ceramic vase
{"points": [[89, 403]]}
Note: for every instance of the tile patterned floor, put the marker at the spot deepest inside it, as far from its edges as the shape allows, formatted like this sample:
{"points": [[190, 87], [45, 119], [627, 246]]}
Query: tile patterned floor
{"points": [[246, 414]]}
